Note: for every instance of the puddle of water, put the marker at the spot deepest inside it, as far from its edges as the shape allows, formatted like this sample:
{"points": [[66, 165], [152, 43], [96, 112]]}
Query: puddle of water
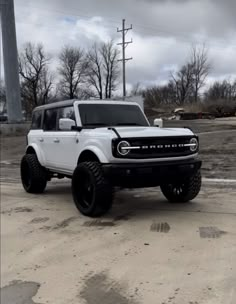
{"points": [[99, 289], [19, 293]]}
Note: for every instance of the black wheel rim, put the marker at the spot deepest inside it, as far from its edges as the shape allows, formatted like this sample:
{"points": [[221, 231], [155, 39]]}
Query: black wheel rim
{"points": [[85, 191], [25, 174]]}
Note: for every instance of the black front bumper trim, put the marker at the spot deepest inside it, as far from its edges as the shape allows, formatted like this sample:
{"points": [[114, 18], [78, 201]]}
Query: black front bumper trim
{"points": [[150, 174]]}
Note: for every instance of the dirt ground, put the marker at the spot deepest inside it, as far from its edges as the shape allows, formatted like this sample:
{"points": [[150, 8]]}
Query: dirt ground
{"points": [[217, 145], [144, 251]]}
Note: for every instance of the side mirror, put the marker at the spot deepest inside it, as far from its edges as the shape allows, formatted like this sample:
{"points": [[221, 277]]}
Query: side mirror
{"points": [[158, 122], [65, 124]]}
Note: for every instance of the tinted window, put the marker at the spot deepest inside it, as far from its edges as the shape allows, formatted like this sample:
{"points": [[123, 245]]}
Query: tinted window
{"points": [[50, 120], [36, 120], [111, 115]]}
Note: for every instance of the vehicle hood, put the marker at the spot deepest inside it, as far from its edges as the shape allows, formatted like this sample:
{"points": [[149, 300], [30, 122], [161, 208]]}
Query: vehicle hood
{"points": [[152, 131], [137, 132]]}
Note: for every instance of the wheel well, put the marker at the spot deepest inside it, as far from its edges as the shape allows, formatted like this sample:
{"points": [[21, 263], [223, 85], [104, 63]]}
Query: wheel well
{"points": [[30, 150], [87, 156]]}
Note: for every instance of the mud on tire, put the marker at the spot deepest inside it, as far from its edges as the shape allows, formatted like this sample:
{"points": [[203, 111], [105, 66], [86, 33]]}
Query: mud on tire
{"points": [[92, 192], [33, 175], [183, 191]]}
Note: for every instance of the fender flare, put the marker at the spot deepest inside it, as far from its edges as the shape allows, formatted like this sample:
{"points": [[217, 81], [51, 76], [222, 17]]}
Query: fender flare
{"points": [[98, 152], [38, 152]]}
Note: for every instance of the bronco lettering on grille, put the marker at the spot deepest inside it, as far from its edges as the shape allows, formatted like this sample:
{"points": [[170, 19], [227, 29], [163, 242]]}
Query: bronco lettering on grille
{"points": [[160, 146]]}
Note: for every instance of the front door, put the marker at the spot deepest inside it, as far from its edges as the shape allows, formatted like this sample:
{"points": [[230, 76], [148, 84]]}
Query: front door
{"points": [[60, 146], [66, 143]]}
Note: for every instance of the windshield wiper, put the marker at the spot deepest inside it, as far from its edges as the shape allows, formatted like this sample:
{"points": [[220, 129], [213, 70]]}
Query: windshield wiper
{"points": [[95, 124]]}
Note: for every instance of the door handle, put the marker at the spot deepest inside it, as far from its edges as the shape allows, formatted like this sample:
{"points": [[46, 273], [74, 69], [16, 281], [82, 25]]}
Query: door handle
{"points": [[56, 140], [41, 139]]}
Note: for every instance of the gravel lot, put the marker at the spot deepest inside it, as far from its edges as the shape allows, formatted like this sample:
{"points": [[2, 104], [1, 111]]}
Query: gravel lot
{"points": [[217, 145], [145, 250]]}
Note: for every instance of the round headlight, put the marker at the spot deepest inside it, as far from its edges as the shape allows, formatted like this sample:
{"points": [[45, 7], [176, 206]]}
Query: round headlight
{"points": [[121, 148], [193, 144]]}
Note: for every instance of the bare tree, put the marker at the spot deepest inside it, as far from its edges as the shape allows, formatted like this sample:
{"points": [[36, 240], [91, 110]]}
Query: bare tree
{"points": [[233, 90], [185, 84], [95, 70], [110, 54], [103, 69], [220, 98], [2, 96], [201, 67], [224, 90], [36, 81], [45, 86], [72, 70], [183, 81], [190, 79], [160, 95], [136, 89]]}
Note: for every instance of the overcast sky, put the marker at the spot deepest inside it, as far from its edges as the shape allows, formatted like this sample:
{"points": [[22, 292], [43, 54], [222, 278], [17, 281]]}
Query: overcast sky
{"points": [[163, 31]]}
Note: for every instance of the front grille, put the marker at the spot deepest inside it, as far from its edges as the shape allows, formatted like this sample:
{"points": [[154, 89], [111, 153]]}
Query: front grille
{"points": [[157, 147]]}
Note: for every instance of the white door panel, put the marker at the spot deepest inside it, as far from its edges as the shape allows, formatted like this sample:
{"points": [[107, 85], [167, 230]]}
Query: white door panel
{"points": [[66, 149], [49, 148]]}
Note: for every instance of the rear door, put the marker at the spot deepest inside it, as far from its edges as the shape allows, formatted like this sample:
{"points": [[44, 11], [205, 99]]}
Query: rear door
{"points": [[50, 135], [35, 135]]}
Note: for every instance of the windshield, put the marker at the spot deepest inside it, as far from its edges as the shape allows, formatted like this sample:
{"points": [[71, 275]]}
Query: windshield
{"points": [[111, 115]]}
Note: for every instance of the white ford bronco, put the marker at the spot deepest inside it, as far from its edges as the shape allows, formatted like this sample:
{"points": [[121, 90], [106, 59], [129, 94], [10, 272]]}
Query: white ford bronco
{"points": [[107, 144]]}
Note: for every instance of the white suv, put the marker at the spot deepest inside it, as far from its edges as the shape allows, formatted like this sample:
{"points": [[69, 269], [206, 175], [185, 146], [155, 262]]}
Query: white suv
{"points": [[107, 144]]}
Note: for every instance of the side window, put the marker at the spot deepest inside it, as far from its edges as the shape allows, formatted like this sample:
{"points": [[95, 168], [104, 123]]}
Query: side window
{"points": [[66, 112], [36, 120], [50, 120]]}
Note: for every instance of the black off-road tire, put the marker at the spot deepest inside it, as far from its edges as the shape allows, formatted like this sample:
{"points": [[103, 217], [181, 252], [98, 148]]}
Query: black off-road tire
{"points": [[33, 175], [92, 192], [183, 191]]}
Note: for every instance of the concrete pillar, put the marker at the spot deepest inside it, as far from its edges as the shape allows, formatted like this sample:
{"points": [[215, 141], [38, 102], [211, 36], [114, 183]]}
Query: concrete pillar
{"points": [[10, 57]]}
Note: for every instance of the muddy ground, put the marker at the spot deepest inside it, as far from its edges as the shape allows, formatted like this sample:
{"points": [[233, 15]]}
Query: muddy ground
{"points": [[217, 145], [144, 251]]}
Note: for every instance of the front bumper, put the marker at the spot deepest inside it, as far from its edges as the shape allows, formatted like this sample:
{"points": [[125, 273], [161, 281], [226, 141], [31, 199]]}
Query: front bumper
{"points": [[131, 175]]}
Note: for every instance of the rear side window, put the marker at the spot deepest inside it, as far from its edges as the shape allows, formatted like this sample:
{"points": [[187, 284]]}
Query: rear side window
{"points": [[50, 120], [36, 120]]}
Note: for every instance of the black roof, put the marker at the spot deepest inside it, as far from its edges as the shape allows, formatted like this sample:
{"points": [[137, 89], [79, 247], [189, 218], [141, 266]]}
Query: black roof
{"points": [[57, 104]]}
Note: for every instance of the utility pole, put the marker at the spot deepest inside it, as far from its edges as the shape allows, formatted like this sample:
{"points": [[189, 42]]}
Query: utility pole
{"points": [[124, 45], [10, 57]]}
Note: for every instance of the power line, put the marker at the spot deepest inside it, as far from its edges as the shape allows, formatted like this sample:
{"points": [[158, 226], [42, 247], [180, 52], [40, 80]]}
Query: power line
{"points": [[124, 44], [54, 27], [172, 38]]}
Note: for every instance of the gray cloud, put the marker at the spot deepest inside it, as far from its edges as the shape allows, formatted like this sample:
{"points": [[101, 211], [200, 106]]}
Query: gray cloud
{"points": [[163, 30], [215, 18]]}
